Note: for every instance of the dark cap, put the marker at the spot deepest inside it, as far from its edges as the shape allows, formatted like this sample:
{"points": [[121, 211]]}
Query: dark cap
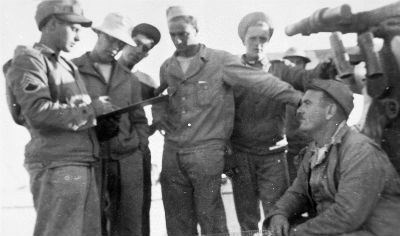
{"points": [[147, 30], [66, 10], [337, 90], [253, 19]]}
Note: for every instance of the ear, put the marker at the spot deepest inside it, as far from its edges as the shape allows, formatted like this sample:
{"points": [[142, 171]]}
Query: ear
{"points": [[52, 24], [330, 111]]}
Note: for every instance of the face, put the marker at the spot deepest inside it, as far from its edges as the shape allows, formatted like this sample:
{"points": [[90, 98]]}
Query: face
{"points": [[107, 47], [182, 34], [66, 35], [256, 40], [312, 114], [132, 55]]}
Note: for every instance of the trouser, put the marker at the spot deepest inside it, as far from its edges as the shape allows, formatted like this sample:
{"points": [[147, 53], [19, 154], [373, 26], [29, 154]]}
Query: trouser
{"points": [[65, 198], [191, 190], [146, 193], [121, 184], [258, 177]]}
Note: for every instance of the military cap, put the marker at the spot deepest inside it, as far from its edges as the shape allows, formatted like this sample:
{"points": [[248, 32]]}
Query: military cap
{"points": [[66, 10], [295, 52], [147, 30], [337, 90], [252, 19]]}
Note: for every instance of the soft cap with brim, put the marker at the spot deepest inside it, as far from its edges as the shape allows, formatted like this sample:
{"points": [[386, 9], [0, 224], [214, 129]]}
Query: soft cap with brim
{"points": [[66, 10], [252, 19], [118, 26], [295, 52], [337, 90], [147, 30]]}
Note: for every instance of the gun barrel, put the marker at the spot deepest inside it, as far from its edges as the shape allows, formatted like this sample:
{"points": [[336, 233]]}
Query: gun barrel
{"points": [[340, 56], [321, 20]]}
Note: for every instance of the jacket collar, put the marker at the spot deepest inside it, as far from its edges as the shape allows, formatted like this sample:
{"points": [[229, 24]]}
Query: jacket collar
{"points": [[320, 154], [198, 62], [262, 64], [86, 66]]}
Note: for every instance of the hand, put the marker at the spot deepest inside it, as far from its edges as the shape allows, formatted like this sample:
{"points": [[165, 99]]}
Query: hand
{"points": [[165, 125], [279, 225], [327, 69], [102, 105], [107, 128]]}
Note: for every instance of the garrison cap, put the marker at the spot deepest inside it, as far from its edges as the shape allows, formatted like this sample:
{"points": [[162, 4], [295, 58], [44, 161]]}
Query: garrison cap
{"points": [[337, 90], [295, 52], [175, 11], [253, 19], [147, 30], [66, 10]]}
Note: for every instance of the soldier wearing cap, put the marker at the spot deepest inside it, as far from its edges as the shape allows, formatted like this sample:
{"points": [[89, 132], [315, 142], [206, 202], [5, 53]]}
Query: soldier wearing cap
{"points": [[146, 37], [297, 57], [345, 181], [198, 120], [47, 96], [120, 177], [260, 167]]}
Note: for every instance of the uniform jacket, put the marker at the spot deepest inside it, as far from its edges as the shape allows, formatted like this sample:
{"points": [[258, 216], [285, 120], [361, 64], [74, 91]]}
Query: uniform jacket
{"points": [[53, 104], [259, 122], [362, 186], [201, 104], [124, 90]]}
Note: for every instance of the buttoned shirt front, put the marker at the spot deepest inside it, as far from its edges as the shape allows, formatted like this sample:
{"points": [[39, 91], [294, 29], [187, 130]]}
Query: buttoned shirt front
{"points": [[201, 104]]}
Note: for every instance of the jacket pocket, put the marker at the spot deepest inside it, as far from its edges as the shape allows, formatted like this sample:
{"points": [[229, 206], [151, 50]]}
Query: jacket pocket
{"points": [[203, 93]]}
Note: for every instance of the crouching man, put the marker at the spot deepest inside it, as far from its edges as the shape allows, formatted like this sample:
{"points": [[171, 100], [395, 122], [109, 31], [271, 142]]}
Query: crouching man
{"points": [[345, 179]]}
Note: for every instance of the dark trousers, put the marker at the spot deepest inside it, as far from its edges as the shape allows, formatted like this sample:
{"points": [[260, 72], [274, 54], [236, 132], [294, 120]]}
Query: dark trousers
{"points": [[65, 198], [146, 193], [121, 184], [191, 190], [259, 178]]}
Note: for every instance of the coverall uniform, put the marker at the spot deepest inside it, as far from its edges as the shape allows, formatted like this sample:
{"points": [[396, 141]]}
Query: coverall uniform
{"points": [[121, 174], [201, 107], [261, 166], [47, 96], [352, 188]]}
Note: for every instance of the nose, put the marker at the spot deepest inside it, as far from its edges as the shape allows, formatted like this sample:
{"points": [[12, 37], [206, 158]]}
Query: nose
{"points": [[177, 40], [77, 37], [299, 111]]}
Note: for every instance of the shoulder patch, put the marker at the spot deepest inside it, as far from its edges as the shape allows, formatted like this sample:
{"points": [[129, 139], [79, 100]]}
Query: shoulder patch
{"points": [[30, 85]]}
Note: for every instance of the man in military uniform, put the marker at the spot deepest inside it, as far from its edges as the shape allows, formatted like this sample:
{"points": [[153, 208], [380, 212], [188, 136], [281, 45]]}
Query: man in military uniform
{"points": [[198, 121], [146, 36], [345, 181], [121, 175], [258, 144], [47, 96]]}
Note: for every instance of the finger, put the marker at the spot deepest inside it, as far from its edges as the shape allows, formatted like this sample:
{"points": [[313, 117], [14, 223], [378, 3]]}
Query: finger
{"points": [[276, 230], [285, 229]]}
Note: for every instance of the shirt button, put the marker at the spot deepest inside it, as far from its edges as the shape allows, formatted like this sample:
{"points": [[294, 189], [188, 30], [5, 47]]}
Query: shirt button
{"points": [[183, 98], [189, 124], [183, 112]]}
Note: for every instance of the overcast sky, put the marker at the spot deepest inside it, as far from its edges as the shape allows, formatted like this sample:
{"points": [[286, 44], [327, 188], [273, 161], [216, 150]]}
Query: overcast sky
{"points": [[218, 29]]}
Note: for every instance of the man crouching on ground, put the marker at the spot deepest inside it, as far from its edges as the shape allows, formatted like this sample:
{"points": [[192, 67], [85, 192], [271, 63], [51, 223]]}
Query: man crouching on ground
{"points": [[345, 178]]}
